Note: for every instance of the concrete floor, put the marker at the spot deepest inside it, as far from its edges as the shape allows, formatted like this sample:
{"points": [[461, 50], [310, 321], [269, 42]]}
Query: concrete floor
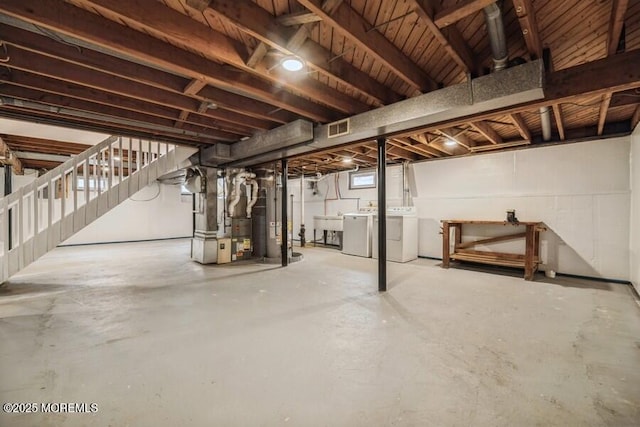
{"points": [[157, 340]]}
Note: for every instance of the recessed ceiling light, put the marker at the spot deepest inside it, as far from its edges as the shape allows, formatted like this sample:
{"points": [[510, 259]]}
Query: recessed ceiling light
{"points": [[347, 160], [292, 63], [450, 143]]}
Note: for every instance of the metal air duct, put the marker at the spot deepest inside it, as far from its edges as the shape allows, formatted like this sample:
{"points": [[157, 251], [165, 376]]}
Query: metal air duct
{"points": [[497, 37]]}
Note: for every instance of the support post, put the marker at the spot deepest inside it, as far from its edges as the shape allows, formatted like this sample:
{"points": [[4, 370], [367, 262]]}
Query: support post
{"points": [[9, 213], [382, 215], [204, 244], [285, 212]]}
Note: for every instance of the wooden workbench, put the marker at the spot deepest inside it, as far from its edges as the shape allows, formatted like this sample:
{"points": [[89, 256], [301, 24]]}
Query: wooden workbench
{"points": [[464, 252]]}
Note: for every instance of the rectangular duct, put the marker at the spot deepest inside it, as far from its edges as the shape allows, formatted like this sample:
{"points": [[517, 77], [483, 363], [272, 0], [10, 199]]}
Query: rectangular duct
{"points": [[512, 86]]}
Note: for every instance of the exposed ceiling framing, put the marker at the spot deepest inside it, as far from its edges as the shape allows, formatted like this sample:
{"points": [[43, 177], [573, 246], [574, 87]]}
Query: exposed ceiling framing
{"points": [[203, 72]]}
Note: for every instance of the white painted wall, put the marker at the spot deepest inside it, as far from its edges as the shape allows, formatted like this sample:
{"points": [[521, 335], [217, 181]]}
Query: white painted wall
{"points": [[156, 212], [634, 235], [580, 191], [39, 130]]}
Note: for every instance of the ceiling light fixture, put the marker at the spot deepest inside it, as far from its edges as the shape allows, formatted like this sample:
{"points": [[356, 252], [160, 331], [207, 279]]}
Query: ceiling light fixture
{"points": [[347, 160], [292, 63], [450, 143]]}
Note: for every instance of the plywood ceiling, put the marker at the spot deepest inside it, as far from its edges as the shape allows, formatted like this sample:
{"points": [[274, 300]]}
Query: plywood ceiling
{"points": [[204, 72]]}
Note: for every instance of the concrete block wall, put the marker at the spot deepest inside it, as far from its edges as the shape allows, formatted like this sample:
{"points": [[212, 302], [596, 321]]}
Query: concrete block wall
{"points": [[580, 191], [634, 235]]}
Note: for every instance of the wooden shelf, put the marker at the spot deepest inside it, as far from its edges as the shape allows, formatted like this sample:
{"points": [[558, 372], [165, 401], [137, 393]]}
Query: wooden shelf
{"points": [[462, 251]]}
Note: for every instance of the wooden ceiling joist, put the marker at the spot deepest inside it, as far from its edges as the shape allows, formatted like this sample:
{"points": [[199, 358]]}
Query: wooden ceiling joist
{"points": [[164, 21], [298, 18], [54, 68], [194, 86], [450, 38], [65, 94], [618, 10], [527, 17], [59, 103], [91, 28], [259, 23], [139, 73], [346, 21], [487, 131], [557, 114], [602, 115], [521, 125], [460, 11], [458, 136]]}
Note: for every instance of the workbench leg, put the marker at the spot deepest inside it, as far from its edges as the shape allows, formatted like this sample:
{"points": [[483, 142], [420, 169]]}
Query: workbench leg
{"points": [[457, 233], [445, 245], [529, 264]]}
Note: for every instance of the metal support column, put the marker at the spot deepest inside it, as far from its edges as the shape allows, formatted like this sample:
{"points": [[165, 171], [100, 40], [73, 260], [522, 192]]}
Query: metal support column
{"points": [[382, 215], [9, 213], [285, 211]]}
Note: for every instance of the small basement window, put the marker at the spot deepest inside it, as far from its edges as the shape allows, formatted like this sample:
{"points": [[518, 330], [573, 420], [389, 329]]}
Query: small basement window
{"points": [[359, 180]]}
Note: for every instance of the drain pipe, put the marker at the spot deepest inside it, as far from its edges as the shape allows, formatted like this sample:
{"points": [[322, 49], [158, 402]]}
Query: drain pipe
{"points": [[302, 232], [236, 193], [497, 37], [254, 196], [545, 120]]}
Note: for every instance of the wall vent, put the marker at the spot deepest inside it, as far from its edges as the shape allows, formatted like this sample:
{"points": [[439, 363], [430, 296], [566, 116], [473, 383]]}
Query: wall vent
{"points": [[338, 128]]}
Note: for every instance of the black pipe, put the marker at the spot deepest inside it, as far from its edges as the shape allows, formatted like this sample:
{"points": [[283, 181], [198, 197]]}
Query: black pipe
{"points": [[285, 229], [382, 215], [7, 191]]}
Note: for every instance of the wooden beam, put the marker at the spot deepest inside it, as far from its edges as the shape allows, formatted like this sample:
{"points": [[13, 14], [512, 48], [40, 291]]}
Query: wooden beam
{"points": [[199, 5], [487, 131], [346, 21], [403, 143], [117, 110], [70, 20], [635, 119], [432, 147], [450, 38], [95, 125], [557, 114], [616, 22], [138, 73], [458, 136], [459, 11], [8, 157], [298, 18], [163, 21], [257, 55], [257, 22], [181, 118], [521, 125], [602, 115], [55, 68], [194, 86], [613, 74], [527, 17], [42, 86]]}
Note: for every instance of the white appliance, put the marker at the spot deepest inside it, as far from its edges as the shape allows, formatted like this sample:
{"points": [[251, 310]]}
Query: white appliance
{"points": [[356, 237], [402, 234]]}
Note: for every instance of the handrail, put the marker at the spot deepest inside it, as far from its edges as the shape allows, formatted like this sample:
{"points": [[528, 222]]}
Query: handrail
{"points": [[47, 211]]}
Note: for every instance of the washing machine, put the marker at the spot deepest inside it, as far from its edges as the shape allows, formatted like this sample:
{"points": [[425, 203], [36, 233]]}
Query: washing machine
{"points": [[402, 234], [356, 234]]}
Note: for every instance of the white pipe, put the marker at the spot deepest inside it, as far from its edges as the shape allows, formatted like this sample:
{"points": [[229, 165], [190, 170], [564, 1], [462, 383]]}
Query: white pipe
{"points": [[497, 37], [236, 193], [545, 120], [254, 196]]}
